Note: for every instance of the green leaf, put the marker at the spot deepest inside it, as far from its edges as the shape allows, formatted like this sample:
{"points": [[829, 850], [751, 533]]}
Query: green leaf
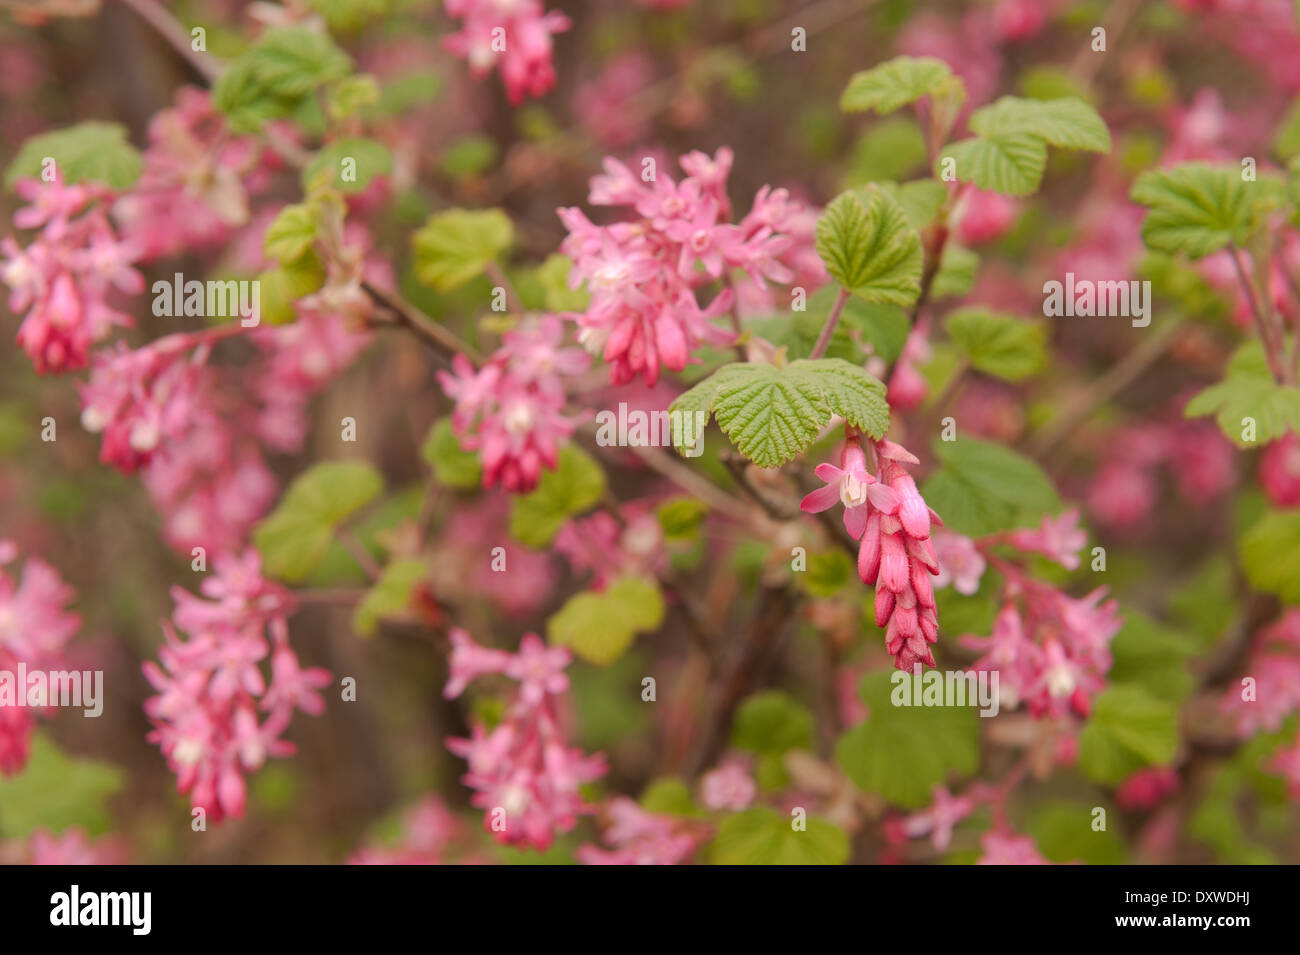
{"points": [[1249, 391], [457, 245], [772, 415], [956, 275], [452, 465], [1194, 208], [470, 156], [1153, 657], [765, 837], [291, 234], [598, 626], [681, 517], [576, 485], [869, 247], [772, 723], [670, 796], [294, 537], [88, 152], [895, 83], [55, 791], [1064, 834], [983, 488], [1270, 554], [828, 573], [275, 77], [390, 597], [998, 345], [1011, 163], [1067, 123], [350, 15], [902, 752], [553, 274], [349, 165], [920, 200], [1129, 728], [281, 287]]}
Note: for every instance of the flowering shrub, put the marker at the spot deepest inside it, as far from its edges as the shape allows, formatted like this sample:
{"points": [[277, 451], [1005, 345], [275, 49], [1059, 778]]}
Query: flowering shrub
{"points": [[654, 433]]}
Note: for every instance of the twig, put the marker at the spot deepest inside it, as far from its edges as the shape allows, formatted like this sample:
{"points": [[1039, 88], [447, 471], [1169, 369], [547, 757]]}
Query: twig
{"points": [[438, 337], [352, 544], [1265, 330], [501, 280], [177, 37], [832, 320]]}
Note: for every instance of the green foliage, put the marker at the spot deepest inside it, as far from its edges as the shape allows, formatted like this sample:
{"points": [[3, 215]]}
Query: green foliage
{"points": [[470, 156], [291, 234], [828, 572], [294, 537], [1194, 208], [88, 152], [390, 597], [765, 837], [957, 269], [670, 796], [681, 517], [896, 83], [347, 15], [1063, 832], [1206, 604], [452, 465], [882, 328], [598, 626], [457, 245], [285, 284], [576, 485], [277, 76], [1153, 657], [55, 791], [869, 247], [772, 723], [998, 345], [1129, 728], [371, 157], [1270, 554], [902, 752], [772, 415], [982, 488], [1249, 391], [1009, 151]]}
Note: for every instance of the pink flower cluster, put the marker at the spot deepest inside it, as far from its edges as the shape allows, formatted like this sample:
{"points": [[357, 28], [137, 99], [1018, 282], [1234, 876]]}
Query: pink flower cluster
{"points": [[525, 776], [1050, 651], [599, 544], [194, 188], [512, 409], [514, 34], [429, 830], [35, 627], [215, 716], [643, 273], [1263, 705], [891, 519], [63, 279], [72, 847], [1279, 470], [639, 837]]}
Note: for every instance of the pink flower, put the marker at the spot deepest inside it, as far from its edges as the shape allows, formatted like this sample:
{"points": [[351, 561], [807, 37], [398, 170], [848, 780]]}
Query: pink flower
{"points": [[907, 386], [642, 838], [960, 563], [1147, 788], [73, 847], [854, 487], [512, 34], [1057, 538], [1006, 848], [985, 216], [1279, 470], [729, 786], [939, 818]]}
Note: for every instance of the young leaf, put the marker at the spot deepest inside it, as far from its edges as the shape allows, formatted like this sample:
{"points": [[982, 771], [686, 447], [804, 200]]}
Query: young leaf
{"points": [[87, 152], [1129, 728], [1009, 163], [1270, 554], [452, 465], [275, 77], [1249, 391], [294, 537], [598, 626], [1194, 208], [390, 597], [869, 247], [290, 235], [457, 245], [983, 488], [998, 345], [55, 791], [1067, 123], [372, 159], [903, 752], [771, 415], [764, 836], [772, 722], [574, 486], [895, 83]]}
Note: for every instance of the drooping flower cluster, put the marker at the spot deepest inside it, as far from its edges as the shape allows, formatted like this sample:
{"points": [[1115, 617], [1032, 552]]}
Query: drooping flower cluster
{"points": [[1269, 692], [62, 281], [643, 273], [511, 410], [429, 831], [72, 847], [35, 627], [639, 837], [887, 514], [215, 716], [514, 34], [599, 544], [1279, 470], [194, 189], [525, 776]]}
